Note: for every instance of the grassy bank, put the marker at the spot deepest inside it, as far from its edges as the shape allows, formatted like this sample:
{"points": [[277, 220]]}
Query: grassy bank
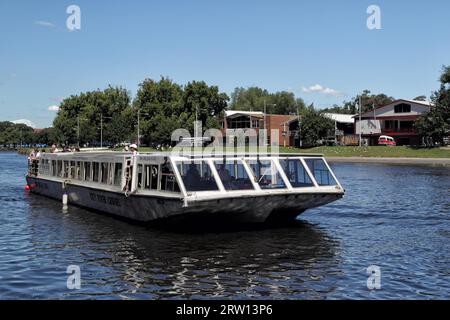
{"points": [[371, 152], [379, 151]]}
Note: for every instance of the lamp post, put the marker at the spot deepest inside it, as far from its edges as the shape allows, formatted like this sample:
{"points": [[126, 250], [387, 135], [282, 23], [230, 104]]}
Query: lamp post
{"points": [[265, 125], [138, 126], [360, 125], [79, 129], [101, 128]]}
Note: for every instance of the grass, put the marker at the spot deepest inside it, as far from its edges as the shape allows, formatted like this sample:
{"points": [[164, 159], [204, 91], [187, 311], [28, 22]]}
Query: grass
{"points": [[377, 151]]}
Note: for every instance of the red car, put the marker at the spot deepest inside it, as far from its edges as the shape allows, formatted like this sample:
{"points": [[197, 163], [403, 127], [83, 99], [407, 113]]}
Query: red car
{"points": [[386, 141]]}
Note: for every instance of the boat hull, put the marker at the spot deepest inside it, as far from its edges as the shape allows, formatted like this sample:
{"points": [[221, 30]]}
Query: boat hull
{"points": [[145, 208]]}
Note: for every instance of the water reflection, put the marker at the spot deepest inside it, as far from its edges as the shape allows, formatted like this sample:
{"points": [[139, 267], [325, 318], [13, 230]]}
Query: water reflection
{"points": [[141, 261]]}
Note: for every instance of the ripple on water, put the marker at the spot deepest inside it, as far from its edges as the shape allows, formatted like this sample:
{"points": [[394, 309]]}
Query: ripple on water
{"points": [[395, 217]]}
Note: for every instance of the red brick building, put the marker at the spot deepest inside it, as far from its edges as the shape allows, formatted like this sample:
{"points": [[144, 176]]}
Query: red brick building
{"points": [[285, 124]]}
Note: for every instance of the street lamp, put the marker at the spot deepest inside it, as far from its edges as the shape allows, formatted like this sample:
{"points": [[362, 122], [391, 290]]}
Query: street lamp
{"points": [[138, 126], [265, 131], [101, 129], [78, 128]]}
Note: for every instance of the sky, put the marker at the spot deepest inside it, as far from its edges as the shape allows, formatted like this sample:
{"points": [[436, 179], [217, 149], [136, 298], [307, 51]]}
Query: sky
{"points": [[322, 51]]}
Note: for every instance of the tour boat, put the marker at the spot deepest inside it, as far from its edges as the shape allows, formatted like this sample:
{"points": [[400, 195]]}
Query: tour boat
{"points": [[157, 186]]}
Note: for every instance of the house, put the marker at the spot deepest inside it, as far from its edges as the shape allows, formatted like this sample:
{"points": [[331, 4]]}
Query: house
{"points": [[344, 129], [395, 119], [285, 124]]}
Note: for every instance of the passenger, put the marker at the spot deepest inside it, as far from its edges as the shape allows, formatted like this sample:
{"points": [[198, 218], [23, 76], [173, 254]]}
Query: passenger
{"points": [[134, 150], [32, 154], [53, 149], [224, 174], [192, 179]]}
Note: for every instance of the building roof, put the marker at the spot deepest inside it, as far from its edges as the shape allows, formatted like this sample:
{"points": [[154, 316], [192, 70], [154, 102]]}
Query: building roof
{"points": [[424, 103], [339, 117], [237, 113]]}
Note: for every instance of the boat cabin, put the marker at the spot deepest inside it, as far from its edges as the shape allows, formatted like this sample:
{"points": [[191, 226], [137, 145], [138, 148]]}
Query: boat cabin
{"points": [[193, 176]]}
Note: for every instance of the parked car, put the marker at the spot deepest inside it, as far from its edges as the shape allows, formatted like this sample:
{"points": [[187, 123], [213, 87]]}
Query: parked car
{"points": [[386, 141]]}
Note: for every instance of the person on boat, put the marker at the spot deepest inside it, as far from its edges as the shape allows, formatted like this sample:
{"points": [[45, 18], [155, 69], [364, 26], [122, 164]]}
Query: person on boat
{"points": [[33, 154], [192, 179], [134, 149], [224, 174], [53, 149]]}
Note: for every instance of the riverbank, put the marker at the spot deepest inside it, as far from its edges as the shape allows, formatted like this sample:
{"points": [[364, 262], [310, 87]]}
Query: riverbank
{"points": [[429, 161], [379, 152]]}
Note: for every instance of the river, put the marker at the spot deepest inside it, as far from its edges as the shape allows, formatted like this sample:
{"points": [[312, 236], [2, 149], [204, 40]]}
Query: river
{"points": [[395, 217]]}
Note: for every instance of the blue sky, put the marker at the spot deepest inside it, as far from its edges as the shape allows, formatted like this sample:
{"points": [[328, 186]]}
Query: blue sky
{"points": [[278, 45]]}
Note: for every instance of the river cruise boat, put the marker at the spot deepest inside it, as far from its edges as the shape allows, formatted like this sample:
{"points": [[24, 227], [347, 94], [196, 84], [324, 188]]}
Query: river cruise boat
{"points": [[155, 186]]}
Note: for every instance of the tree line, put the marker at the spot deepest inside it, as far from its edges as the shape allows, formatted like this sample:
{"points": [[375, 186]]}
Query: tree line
{"points": [[112, 116]]}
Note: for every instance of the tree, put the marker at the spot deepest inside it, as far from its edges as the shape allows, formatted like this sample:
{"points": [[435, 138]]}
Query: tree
{"points": [[420, 98], [369, 101], [165, 106], [16, 134], [254, 98], [435, 124], [314, 126], [82, 115]]}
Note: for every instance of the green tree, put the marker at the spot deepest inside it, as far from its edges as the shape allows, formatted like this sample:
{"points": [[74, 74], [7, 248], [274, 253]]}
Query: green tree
{"points": [[435, 124], [420, 98], [82, 115], [165, 106], [314, 126], [254, 98], [369, 101]]}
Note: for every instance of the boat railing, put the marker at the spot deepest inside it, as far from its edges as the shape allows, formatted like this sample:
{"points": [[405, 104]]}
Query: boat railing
{"points": [[33, 167]]}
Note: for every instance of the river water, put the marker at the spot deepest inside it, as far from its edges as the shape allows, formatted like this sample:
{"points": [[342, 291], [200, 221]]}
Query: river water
{"points": [[394, 217]]}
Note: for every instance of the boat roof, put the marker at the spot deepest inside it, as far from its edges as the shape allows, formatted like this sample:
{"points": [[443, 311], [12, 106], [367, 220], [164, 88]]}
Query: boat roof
{"points": [[108, 154]]}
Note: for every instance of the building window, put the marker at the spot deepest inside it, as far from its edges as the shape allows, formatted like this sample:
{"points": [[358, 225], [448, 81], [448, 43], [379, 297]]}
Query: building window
{"points": [[402, 108]]}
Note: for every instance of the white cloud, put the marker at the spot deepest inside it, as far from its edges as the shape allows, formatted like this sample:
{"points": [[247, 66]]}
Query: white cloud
{"points": [[25, 122], [320, 89], [53, 108], [44, 23]]}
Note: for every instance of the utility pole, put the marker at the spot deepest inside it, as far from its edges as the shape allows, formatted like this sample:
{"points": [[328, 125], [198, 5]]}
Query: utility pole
{"points": [[78, 131], [265, 126], [101, 130], [138, 129], [360, 125]]}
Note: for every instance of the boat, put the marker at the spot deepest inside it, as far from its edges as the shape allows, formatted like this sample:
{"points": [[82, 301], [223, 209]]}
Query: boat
{"points": [[164, 186]]}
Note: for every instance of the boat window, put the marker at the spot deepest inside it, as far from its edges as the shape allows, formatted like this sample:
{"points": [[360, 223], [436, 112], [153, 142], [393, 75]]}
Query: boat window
{"points": [[79, 169], [321, 173], [59, 171], [197, 176], [140, 176], [168, 179], [96, 169], [233, 175], [296, 173], [87, 171], [266, 174], [118, 174], [54, 168], [151, 173], [72, 170], [105, 172], [66, 169]]}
